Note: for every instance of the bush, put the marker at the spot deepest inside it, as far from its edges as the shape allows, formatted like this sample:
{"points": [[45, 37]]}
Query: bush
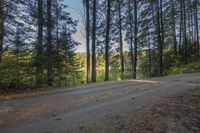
{"points": [[188, 68]]}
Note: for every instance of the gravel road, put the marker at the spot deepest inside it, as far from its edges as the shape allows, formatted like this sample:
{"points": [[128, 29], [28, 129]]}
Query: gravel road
{"points": [[91, 108]]}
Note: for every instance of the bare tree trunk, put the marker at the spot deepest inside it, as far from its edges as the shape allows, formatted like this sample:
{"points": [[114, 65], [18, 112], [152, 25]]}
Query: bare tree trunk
{"points": [[189, 32], [49, 43], [192, 31], [2, 19], [88, 39], [58, 43], [149, 52], [160, 45], [131, 37], [197, 25], [185, 33], [39, 47], [107, 41], [174, 26], [94, 43], [121, 39], [162, 38], [135, 39], [181, 28], [190, 24]]}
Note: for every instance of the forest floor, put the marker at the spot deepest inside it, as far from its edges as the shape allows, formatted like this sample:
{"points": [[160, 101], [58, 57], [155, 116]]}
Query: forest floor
{"points": [[159, 105]]}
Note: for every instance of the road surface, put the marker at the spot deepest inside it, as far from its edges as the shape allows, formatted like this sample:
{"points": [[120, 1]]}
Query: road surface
{"points": [[87, 108]]}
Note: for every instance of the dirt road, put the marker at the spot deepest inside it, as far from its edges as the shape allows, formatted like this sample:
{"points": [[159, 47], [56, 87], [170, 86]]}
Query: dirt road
{"points": [[102, 107]]}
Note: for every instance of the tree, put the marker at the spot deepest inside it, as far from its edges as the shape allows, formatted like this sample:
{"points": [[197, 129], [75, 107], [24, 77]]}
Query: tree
{"points": [[58, 59], [174, 26], [39, 47], [88, 40], [149, 51], [160, 36], [185, 56], [34, 45], [49, 43], [197, 25], [119, 2], [107, 41], [94, 42], [130, 33], [135, 37], [2, 20]]}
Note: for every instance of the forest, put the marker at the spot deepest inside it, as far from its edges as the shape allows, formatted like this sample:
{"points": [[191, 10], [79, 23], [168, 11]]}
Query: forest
{"points": [[124, 39]]}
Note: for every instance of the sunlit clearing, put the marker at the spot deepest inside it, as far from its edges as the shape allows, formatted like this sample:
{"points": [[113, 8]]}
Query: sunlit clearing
{"points": [[145, 81]]}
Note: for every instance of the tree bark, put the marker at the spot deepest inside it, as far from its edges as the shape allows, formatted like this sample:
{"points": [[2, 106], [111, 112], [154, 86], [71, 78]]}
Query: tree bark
{"points": [[197, 25], [49, 43], [94, 43], [58, 61], [192, 31], [162, 38], [185, 33], [88, 40], [121, 39], [2, 19], [181, 29], [131, 37], [135, 39], [107, 41], [149, 53], [174, 26], [160, 45], [39, 46]]}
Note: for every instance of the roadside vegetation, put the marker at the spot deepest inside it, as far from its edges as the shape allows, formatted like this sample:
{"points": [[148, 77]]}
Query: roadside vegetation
{"points": [[188, 68], [125, 39]]}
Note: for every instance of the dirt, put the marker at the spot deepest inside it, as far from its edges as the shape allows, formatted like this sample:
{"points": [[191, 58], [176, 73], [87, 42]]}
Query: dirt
{"points": [[159, 105], [25, 113], [177, 114]]}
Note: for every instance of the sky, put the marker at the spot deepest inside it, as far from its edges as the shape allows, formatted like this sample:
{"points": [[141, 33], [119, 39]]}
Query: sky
{"points": [[76, 10]]}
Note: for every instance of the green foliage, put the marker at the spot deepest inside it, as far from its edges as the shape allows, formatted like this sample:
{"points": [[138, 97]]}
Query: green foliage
{"points": [[16, 71], [188, 68], [143, 69]]}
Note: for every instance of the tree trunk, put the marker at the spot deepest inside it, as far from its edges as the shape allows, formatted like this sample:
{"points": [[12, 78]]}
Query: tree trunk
{"points": [[88, 39], [94, 43], [2, 19], [58, 43], [39, 46], [107, 41], [121, 39], [160, 45], [149, 52], [135, 39], [185, 33], [49, 43], [190, 49], [181, 29], [197, 25], [131, 37], [162, 38], [192, 32], [174, 26]]}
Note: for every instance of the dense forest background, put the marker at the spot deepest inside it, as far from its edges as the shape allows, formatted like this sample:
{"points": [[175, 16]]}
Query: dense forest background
{"points": [[37, 48]]}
